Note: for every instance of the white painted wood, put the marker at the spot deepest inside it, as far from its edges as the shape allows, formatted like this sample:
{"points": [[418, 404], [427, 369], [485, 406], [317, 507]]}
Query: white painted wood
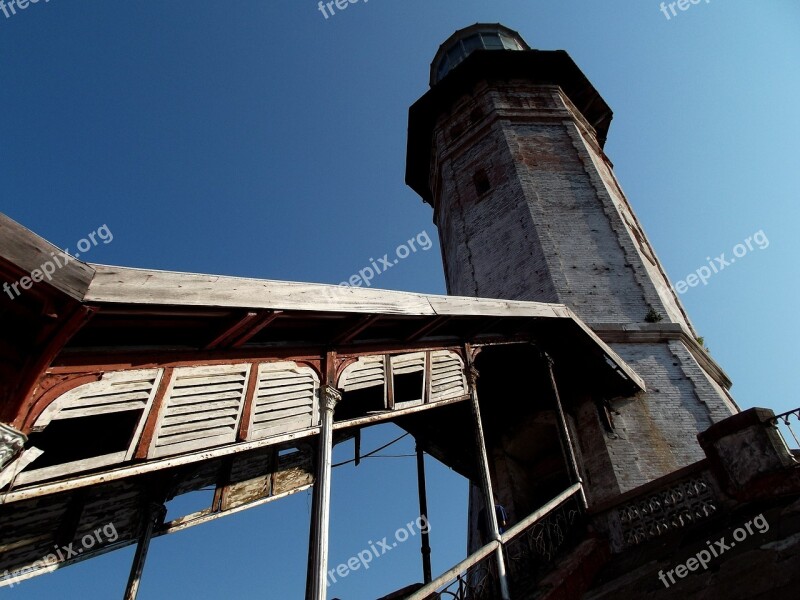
{"points": [[115, 386], [367, 371], [58, 471], [286, 399], [152, 466], [197, 412], [403, 364], [447, 375], [11, 471], [111, 394]]}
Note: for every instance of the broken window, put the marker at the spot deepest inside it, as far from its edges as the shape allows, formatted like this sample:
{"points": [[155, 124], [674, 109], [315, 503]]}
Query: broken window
{"points": [[94, 425]]}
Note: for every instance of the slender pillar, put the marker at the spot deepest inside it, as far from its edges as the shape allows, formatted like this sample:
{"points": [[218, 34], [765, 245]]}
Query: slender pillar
{"points": [[423, 513], [486, 476], [318, 553], [565, 437], [153, 515]]}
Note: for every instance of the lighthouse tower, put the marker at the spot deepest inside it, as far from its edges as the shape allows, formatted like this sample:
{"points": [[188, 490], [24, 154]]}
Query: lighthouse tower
{"points": [[507, 147]]}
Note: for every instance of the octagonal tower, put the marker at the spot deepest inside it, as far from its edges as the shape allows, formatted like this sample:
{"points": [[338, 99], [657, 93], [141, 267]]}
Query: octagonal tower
{"points": [[507, 147]]}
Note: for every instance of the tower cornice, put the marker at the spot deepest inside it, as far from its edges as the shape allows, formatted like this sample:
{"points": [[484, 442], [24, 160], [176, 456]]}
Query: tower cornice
{"points": [[542, 67]]}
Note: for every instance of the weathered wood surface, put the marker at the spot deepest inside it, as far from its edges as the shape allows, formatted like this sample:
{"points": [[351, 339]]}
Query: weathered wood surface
{"points": [[138, 286], [28, 252]]}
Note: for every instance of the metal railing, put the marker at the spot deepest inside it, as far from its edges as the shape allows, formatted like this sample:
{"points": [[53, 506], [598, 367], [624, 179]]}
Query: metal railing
{"points": [[783, 423], [533, 542]]}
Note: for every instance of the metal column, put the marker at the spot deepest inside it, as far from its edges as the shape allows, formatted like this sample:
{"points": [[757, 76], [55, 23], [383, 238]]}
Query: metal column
{"points": [[318, 552], [486, 477], [154, 514], [425, 549], [566, 438]]}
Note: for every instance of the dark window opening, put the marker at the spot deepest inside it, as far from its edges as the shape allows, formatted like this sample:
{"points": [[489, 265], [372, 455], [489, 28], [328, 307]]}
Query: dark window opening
{"points": [[67, 440], [456, 131], [475, 116], [408, 387], [481, 181], [357, 403]]}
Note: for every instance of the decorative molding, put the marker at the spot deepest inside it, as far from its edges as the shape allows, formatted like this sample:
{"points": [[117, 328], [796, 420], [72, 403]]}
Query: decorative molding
{"points": [[680, 505], [330, 397], [11, 444]]}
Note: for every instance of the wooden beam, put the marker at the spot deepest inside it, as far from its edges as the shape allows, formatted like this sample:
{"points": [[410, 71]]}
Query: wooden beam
{"points": [[45, 355], [225, 337], [428, 328], [263, 322], [143, 446], [350, 333], [28, 252]]}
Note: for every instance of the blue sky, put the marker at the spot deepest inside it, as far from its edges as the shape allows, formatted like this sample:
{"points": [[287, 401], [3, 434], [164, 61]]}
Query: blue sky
{"points": [[260, 139]]}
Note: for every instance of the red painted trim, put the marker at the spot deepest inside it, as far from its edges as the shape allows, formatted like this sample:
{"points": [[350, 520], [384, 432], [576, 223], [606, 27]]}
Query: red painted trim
{"points": [[44, 356], [247, 411], [149, 430], [256, 329], [226, 337], [47, 397]]}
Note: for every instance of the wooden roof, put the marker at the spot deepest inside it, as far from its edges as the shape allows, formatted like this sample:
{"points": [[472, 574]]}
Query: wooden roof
{"points": [[94, 319]]}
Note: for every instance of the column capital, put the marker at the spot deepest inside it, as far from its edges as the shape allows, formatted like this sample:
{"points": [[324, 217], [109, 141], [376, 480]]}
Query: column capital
{"points": [[11, 443], [329, 397], [472, 375]]}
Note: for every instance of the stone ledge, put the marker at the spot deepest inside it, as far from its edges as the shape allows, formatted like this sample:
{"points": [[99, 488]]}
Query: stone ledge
{"points": [[650, 333]]}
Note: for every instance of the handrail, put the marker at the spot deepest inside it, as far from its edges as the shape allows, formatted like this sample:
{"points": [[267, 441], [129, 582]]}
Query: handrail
{"points": [[505, 538], [784, 418], [465, 564], [539, 513]]}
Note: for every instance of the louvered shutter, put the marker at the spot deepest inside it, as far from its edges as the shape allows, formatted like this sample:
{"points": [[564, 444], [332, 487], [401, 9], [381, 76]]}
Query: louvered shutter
{"points": [[202, 408], [368, 371], [447, 375], [286, 400], [117, 391]]}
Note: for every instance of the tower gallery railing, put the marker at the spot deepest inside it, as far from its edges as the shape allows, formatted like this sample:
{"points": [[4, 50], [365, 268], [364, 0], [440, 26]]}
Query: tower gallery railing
{"points": [[537, 538], [783, 423]]}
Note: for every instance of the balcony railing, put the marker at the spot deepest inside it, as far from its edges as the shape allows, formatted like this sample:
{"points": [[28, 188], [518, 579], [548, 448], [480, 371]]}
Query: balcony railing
{"points": [[529, 546], [783, 423]]}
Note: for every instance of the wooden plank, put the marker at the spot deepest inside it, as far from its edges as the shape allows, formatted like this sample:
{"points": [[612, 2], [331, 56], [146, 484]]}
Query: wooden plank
{"points": [[181, 432], [195, 440], [139, 286], [200, 399], [139, 397], [27, 251], [307, 394], [278, 415], [172, 424], [103, 409], [205, 389], [285, 387], [186, 409]]}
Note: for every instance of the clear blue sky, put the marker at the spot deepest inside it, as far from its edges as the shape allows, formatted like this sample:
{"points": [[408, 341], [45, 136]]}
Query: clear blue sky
{"points": [[260, 139]]}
